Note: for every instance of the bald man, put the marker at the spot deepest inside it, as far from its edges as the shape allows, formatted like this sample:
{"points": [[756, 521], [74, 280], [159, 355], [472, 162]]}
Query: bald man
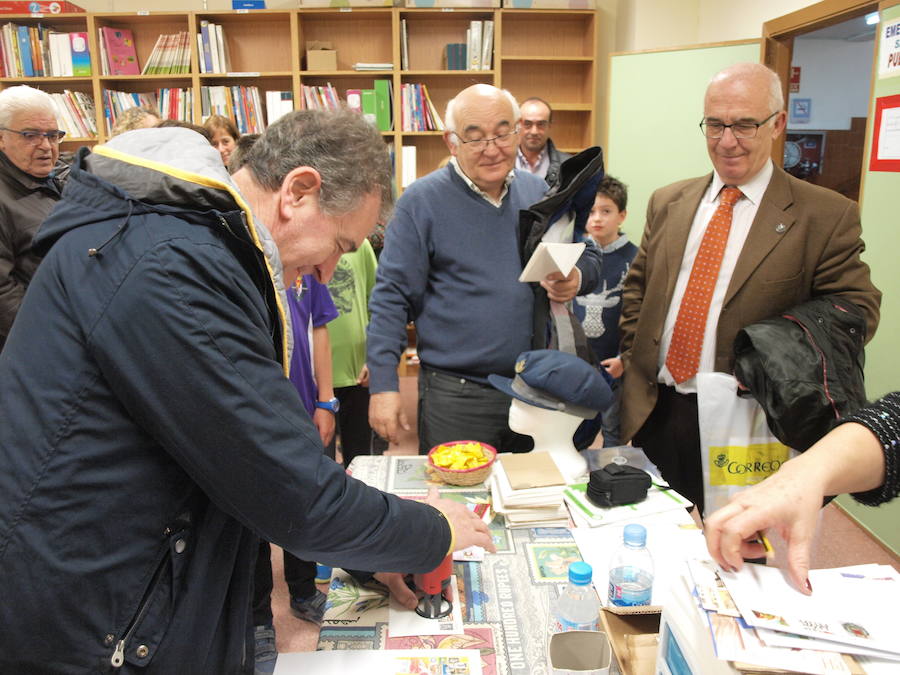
{"points": [[788, 241], [451, 264]]}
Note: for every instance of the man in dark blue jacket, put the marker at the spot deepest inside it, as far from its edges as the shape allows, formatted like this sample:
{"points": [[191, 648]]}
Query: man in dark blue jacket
{"points": [[148, 432]]}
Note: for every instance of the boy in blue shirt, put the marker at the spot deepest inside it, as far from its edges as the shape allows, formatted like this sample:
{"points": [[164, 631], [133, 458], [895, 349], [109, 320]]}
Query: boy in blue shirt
{"points": [[599, 312]]}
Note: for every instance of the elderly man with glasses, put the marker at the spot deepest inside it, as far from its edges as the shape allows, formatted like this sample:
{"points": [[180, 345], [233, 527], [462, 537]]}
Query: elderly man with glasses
{"points": [[451, 263], [720, 252], [30, 184]]}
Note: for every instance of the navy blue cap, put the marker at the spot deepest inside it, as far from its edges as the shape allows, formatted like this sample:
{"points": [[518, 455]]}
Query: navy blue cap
{"points": [[556, 380]]}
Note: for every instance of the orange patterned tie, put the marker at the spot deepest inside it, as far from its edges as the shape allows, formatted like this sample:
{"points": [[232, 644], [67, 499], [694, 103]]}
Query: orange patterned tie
{"points": [[683, 358]]}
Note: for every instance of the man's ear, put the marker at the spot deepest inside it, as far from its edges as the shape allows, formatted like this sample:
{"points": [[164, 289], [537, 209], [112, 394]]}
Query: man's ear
{"points": [[780, 124], [299, 184], [451, 146]]}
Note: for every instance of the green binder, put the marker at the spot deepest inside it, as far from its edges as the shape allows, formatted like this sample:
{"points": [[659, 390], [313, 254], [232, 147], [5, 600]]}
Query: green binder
{"points": [[383, 105], [369, 107]]}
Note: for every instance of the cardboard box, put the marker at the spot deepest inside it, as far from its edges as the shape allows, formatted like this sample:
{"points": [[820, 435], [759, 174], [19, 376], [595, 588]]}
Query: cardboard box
{"points": [[634, 639], [30, 7], [452, 3], [550, 4], [320, 56]]}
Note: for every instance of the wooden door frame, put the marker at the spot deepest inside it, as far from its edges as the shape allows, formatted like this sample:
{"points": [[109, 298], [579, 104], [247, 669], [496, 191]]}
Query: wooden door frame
{"points": [[778, 35]]}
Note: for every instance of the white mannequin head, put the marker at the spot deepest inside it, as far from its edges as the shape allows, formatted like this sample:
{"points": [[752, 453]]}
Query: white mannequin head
{"points": [[552, 431]]}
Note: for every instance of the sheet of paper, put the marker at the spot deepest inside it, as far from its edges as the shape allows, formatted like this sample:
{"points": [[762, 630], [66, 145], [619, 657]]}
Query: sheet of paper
{"points": [[381, 662], [670, 544], [551, 257], [656, 501], [846, 606], [404, 622]]}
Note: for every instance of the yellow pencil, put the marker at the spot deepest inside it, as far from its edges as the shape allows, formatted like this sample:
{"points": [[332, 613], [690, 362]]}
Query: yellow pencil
{"points": [[764, 540]]}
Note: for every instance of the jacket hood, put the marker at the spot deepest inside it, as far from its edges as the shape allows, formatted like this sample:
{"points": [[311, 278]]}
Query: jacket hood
{"points": [[169, 170]]}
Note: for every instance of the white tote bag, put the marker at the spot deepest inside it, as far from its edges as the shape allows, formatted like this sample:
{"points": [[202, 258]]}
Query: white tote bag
{"points": [[737, 449]]}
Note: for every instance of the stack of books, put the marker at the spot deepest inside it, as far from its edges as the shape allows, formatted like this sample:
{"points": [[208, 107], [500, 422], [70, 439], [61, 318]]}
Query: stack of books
{"points": [[75, 113], [171, 55], [417, 112], [528, 490], [114, 102], [278, 103], [38, 51], [213, 48], [315, 97], [242, 104]]}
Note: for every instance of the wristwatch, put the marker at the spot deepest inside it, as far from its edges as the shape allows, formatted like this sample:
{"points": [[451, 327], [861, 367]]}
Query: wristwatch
{"points": [[333, 405]]}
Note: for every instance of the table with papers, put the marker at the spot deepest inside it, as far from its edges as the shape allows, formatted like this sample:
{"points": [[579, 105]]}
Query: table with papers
{"points": [[505, 599]]}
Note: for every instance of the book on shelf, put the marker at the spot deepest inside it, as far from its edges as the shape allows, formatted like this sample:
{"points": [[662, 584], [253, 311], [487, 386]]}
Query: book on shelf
{"points": [[369, 106], [205, 49], [373, 66], [117, 51], [278, 103], [474, 45], [354, 100], [455, 56], [75, 113], [24, 40], [487, 44], [408, 170], [81, 57], [383, 97], [171, 55], [404, 46]]}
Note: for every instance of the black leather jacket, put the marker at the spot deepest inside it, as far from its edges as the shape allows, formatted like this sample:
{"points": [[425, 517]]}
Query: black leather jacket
{"points": [[805, 367]]}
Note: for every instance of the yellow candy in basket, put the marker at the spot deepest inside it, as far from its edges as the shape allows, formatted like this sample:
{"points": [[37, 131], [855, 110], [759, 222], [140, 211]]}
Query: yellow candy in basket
{"points": [[459, 456]]}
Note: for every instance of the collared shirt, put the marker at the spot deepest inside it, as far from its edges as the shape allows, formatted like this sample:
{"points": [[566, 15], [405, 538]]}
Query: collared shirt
{"points": [[742, 218], [540, 168], [477, 190]]}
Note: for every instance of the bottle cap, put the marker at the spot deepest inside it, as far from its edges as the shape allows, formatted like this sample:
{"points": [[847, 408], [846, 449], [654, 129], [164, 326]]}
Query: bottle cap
{"points": [[580, 573], [635, 535]]}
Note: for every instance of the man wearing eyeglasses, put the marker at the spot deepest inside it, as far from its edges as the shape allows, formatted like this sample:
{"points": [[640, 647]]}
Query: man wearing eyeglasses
{"points": [[451, 264], [721, 252], [537, 154], [30, 184]]}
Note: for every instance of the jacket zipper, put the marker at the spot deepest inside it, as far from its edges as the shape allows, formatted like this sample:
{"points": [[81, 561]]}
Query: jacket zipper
{"points": [[118, 657], [812, 340]]}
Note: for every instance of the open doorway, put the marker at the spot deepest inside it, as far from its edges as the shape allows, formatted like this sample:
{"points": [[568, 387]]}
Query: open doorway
{"points": [[824, 36], [828, 100]]}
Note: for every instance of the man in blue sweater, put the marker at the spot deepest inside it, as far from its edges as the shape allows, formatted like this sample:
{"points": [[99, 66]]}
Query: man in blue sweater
{"points": [[451, 264]]}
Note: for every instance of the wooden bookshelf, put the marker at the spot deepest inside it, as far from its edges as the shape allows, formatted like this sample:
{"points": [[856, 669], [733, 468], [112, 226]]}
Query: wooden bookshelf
{"points": [[546, 53]]}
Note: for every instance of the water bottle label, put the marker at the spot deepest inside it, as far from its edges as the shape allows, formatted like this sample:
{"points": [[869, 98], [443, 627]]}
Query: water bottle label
{"points": [[563, 625], [630, 587]]}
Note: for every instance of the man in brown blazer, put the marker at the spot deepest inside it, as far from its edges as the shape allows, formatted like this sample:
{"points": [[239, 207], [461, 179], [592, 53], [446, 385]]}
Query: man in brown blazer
{"points": [[788, 241]]}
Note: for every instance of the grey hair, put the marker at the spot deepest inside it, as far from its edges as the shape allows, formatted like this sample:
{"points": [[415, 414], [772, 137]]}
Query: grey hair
{"points": [[450, 114], [348, 152], [22, 99]]}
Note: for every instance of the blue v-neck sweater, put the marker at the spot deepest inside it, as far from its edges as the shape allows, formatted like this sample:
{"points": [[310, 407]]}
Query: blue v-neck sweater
{"points": [[451, 264]]}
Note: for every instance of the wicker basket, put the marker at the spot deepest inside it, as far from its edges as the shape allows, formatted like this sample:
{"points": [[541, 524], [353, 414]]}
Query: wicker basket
{"points": [[464, 477]]}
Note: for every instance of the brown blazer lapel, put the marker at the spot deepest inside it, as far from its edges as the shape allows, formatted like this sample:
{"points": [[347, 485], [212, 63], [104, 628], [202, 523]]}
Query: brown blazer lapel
{"points": [[771, 223], [679, 218]]}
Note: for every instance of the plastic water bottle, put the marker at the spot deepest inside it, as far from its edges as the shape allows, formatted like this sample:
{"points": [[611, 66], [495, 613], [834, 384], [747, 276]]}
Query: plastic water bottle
{"points": [[631, 570], [579, 606]]}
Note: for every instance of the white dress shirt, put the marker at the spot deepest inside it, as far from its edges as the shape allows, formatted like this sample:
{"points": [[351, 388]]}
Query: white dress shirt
{"points": [[742, 218]]}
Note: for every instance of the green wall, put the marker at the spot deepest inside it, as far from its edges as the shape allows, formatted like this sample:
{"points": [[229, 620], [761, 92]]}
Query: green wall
{"points": [[655, 103], [881, 231]]}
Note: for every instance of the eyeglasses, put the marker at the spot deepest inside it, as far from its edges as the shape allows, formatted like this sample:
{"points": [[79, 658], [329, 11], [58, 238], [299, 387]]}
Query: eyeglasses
{"points": [[35, 137], [739, 129], [480, 144]]}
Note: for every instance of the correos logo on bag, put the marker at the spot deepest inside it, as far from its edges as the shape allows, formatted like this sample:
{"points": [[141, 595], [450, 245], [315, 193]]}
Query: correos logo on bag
{"points": [[745, 464]]}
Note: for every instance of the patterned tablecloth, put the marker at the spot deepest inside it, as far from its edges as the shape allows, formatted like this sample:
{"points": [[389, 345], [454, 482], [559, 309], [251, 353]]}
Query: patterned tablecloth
{"points": [[506, 599]]}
